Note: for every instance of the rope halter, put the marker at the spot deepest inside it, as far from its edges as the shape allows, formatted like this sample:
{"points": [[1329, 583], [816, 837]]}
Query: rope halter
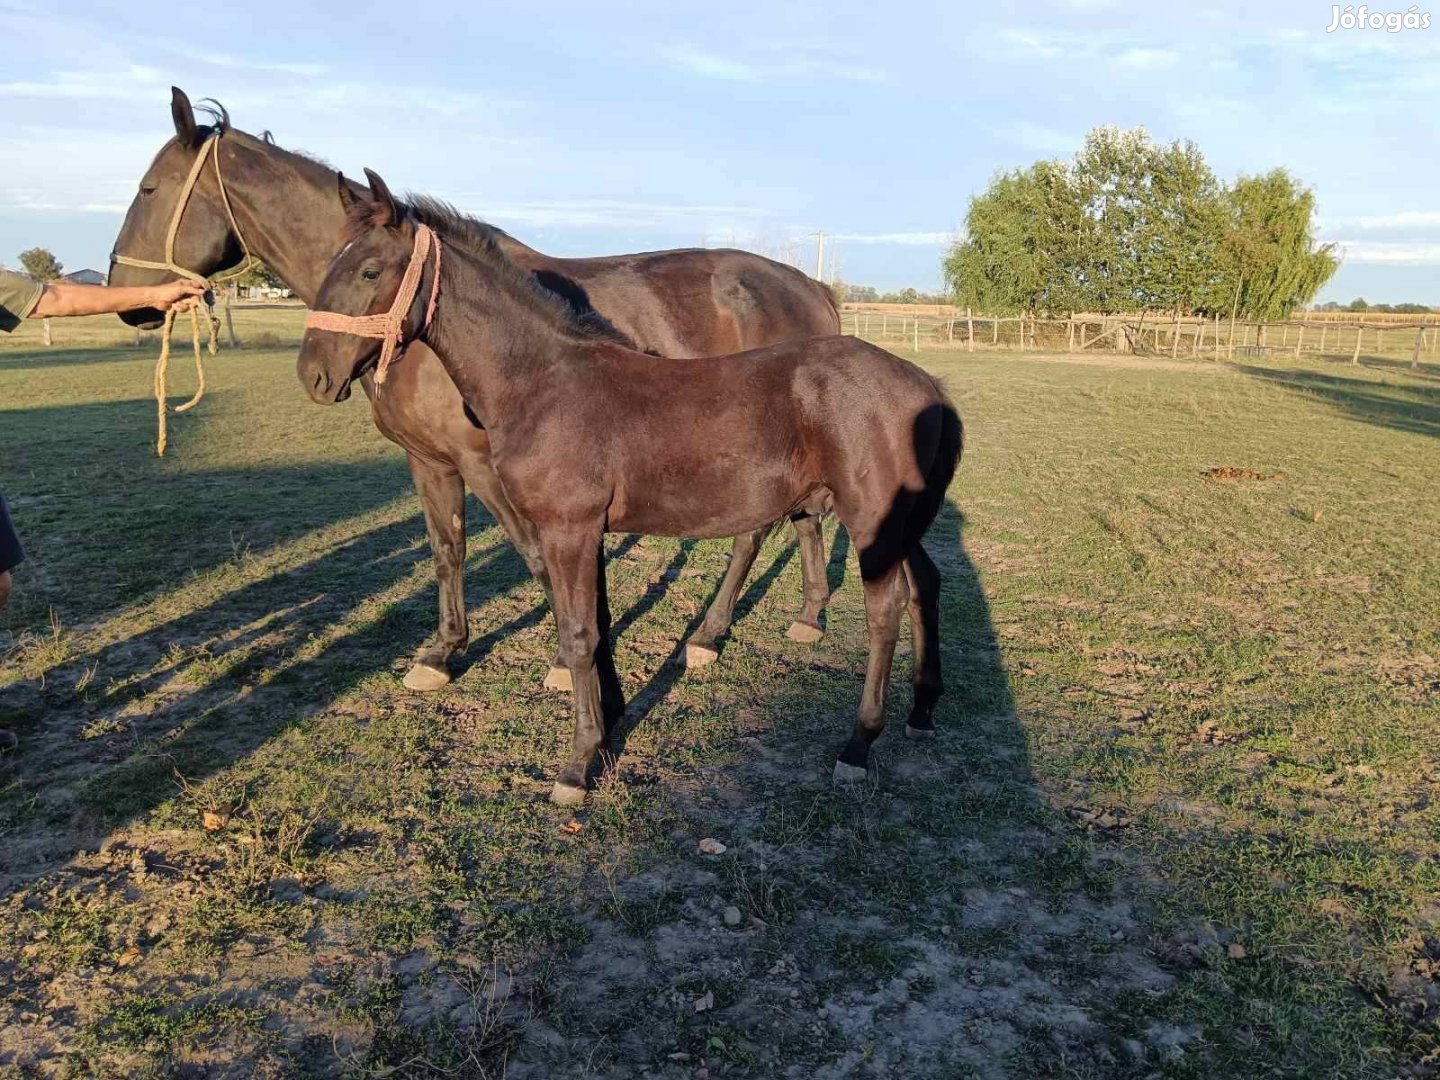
{"points": [[389, 327], [210, 150]]}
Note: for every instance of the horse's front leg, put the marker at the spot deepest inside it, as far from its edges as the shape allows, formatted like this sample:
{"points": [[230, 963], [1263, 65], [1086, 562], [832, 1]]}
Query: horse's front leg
{"points": [[442, 496], [523, 534], [574, 557]]}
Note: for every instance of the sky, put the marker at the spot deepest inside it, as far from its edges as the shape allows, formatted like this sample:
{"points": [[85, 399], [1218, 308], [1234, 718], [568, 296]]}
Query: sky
{"points": [[596, 128]]}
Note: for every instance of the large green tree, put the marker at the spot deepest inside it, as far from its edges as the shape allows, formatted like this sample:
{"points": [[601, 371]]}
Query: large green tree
{"points": [[1135, 225], [1272, 264], [1024, 239]]}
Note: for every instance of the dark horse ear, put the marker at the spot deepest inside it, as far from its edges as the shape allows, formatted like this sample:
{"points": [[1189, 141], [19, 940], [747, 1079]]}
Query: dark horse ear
{"points": [[389, 210], [348, 198], [186, 132]]}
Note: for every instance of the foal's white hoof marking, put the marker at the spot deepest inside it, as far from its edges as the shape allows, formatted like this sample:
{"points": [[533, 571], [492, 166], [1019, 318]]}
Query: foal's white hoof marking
{"points": [[424, 678], [846, 775], [804, 633], [565, 795], [919, 734], [559, 679], [697, 656]]}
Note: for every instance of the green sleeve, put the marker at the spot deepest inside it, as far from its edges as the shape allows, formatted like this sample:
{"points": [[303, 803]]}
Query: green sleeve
{"points": [[18, 297]]}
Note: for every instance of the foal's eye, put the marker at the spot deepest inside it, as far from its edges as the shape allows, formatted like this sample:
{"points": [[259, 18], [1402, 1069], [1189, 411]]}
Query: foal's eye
{"points": [[370, 274], [146, 190]]}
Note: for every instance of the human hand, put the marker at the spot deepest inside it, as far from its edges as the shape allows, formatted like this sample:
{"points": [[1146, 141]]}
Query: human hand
{"points": [[181, 294]]}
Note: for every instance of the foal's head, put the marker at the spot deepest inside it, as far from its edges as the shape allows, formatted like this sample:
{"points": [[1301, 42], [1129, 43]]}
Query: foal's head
{"points": [[362, 279]]}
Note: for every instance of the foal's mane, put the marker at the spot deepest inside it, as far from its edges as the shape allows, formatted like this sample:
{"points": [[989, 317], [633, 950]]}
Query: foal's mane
{"points": [[568, 308]]}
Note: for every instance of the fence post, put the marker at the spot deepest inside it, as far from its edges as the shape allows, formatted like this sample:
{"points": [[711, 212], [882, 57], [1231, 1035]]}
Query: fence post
{"points": [[1419, 340], [995, 331], [1299, 340], [1215, 333], [970, 329], [1359, 332], [1380, 341], [917, 333], [1323, 328]]}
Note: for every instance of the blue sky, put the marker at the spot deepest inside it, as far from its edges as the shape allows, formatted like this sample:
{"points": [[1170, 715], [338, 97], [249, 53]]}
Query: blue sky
{"points": [[598, 128]]}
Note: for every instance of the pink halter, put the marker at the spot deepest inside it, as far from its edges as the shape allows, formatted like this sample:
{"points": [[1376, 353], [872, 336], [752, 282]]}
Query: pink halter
{"points": [[389, 327]]}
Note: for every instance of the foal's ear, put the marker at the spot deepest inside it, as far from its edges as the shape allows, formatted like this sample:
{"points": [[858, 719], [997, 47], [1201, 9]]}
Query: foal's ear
{"points": [[186, 130], [348, 198], [388, 212]]}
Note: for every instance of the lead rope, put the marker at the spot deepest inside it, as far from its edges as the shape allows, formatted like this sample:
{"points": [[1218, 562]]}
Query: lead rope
{"points": [[211, 149], [162, 368]]}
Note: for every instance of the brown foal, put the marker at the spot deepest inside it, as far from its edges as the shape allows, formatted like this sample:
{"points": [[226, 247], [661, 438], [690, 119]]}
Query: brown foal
{"points": [[589, 435]]}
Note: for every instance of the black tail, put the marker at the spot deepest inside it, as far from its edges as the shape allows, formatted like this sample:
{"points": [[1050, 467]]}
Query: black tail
{"points": [[944, 460]]}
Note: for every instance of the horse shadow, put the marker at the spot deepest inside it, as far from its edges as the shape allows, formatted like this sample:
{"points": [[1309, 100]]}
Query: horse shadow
{"points": [[1400, 407]]}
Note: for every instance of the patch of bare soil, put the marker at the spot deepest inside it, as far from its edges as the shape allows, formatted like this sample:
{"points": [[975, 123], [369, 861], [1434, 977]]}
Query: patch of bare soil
{"points": [[879, 936], [1230, 473]]}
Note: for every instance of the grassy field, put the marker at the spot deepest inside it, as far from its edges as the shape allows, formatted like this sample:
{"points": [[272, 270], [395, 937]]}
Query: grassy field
{"points": [[1179, 822]]}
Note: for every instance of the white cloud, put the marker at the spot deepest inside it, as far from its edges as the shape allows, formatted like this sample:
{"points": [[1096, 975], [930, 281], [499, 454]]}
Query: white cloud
{"points": [[919, 239], [1140, 59], [711, 65], [1039, 137], [1404, 219], [1029, 43], [1399, 253], [610, 213]]}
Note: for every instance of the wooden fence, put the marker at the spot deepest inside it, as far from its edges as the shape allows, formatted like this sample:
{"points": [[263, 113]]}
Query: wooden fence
{"points": [[1413, 337]]}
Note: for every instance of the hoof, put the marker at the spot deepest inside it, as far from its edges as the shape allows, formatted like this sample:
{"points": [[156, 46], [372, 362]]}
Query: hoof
{"points": [[424, 678], [567, 795], [697, 656], [919, 734], [804, 633], [846, 775], [559, 679]]}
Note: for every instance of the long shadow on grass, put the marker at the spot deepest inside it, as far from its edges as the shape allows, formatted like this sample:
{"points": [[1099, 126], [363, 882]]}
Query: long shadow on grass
{"points": [[1415, 409]]}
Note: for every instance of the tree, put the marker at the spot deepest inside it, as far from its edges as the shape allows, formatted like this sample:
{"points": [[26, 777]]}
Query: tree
{"points": [[1134, 225], [1024, 237], [261, 276], [1273, 264], [41, 264]]}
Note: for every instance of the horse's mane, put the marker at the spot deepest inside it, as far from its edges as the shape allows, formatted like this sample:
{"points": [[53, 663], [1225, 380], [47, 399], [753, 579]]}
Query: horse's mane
{"points": [[563, 300]]}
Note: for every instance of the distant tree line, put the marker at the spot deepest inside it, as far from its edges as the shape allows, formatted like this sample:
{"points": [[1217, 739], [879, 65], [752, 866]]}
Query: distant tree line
{"points": [[868, 294], [1359, 304], [1132, 225]]}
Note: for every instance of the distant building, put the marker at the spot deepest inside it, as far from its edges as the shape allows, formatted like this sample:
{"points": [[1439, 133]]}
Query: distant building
{"points": [[84, 277]]}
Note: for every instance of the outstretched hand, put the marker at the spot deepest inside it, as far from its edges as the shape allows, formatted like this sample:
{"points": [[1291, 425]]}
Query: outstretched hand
{"points": [[182, 295]]}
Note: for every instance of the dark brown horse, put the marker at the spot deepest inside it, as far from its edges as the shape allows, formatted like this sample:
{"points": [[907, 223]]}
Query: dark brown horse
{"points": [[677, 303], [590, 435]]}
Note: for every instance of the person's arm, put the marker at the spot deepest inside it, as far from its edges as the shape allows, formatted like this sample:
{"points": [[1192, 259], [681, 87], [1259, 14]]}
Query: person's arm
{"points": [[62, 298]]}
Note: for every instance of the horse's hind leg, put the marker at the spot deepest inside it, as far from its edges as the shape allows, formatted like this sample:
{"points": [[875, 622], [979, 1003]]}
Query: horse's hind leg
{"points": [[701, 649], [806, 627], [924, 581], [884, 599]]}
